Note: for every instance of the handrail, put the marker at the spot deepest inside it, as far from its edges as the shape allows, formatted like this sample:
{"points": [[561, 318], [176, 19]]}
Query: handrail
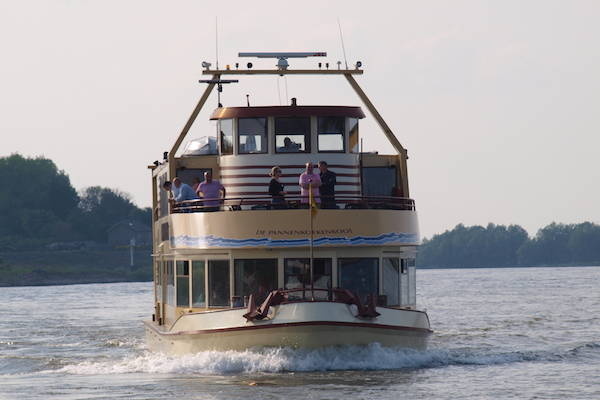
{"points": [[265, 202]]}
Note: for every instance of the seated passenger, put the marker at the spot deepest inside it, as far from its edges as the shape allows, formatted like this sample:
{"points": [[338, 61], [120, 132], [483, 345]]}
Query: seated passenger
{"points": [[276, 189], [289, 146], [309, 181], [212, 190]]}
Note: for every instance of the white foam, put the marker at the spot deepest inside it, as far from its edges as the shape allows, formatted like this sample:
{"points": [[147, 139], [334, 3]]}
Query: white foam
{"points": [[372, 357]]}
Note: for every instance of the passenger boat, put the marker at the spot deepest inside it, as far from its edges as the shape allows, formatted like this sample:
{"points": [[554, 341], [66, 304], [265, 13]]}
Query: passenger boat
{"points": [[249, 273]]}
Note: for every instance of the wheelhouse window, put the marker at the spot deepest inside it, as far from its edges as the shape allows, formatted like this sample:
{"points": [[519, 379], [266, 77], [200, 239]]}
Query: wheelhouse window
{"points": [[225, 127], [391, 280], [360, 276], [353, 142], [183, 283], [257, 276], [292, 135], [252, 133], [331, 134], [218, 283], [297, 276], [198, 289]]}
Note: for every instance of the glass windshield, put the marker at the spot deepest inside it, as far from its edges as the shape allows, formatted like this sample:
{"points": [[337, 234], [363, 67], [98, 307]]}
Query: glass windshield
{"points": [[252, 135], [226, 135], [292, 135]]}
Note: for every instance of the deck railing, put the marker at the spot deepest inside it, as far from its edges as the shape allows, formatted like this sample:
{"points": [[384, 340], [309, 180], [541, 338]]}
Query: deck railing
{"points": [[343, 202]]}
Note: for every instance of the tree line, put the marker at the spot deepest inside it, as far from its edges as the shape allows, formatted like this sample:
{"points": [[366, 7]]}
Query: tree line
{"points": [[38, 206], [502, 246]]}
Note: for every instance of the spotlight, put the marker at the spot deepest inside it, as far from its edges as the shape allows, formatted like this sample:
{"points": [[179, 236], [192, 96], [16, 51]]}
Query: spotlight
{"points": [[358, 64], [320, 65], [327, 65], [237, 65], [249, 65], [165, 155], [206, 64], [156, 163]]}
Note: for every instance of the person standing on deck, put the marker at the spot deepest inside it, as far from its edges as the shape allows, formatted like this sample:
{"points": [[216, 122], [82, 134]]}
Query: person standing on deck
{"points": [[309, 181], [212, 190], [276, 188], [328, 181]]}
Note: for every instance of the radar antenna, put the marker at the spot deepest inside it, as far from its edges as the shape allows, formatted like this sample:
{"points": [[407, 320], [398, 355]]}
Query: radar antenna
{"points": [[283, 64]]}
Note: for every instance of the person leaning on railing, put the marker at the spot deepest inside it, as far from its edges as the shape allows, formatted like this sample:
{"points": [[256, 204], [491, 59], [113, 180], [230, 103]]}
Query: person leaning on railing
{"points": [[179, 191], [212, 190], [276, 188], [309, 181]]}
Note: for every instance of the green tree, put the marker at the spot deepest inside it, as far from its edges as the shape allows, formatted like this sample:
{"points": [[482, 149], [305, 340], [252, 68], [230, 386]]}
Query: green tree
{"points": [[99, 208], [34, 197], [476, 246]]}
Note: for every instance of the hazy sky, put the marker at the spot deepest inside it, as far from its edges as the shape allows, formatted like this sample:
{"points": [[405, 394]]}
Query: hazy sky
{"points": [[496, 102]]}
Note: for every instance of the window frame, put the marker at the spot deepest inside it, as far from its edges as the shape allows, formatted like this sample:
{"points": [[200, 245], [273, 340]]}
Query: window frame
{"points": [[306, 261], [342, 133], [220, 137], [376, 269], [264, 147], [209, 290], [239, 263], [307, 135]]}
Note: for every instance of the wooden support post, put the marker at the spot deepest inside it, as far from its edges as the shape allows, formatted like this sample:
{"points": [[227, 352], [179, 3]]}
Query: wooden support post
{"points": [[188, 125], [386, 131]]}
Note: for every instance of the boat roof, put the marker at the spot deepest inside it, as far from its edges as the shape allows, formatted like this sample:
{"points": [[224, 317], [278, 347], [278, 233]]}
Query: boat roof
{"points": [[287, 111]]}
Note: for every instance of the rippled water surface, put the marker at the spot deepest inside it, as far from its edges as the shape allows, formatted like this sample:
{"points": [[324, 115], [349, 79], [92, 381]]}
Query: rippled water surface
{"points": [[531, 333]]}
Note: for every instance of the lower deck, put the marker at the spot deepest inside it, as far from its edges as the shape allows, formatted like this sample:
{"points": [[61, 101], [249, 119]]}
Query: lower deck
{"points": [[190, 281]]}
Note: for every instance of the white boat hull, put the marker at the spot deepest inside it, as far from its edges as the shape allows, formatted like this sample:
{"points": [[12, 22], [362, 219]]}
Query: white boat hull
{"points": [[299, 325]]}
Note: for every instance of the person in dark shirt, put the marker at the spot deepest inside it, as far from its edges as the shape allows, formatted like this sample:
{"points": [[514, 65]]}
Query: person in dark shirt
{"points": [[276, 189], [328, 181]]}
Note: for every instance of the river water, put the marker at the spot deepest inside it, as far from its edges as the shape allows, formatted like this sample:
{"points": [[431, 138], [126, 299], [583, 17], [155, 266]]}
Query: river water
{"points": [[513, 333]]}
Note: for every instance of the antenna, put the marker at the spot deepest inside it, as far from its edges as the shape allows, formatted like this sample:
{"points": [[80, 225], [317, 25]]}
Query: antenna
{"points": [[342, 39], [278, 90], [283, 64], [217, 39], [219, 83]]}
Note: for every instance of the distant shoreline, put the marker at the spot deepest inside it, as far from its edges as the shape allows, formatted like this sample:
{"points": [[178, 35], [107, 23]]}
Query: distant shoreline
{"points": [[83, 281]]}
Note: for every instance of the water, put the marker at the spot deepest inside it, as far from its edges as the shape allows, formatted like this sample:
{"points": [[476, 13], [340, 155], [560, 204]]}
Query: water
{"points": [[511, 333]]}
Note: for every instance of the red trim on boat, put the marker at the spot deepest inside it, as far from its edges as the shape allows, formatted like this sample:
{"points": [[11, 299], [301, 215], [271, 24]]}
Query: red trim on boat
{"points": [[286, 183], [268, 167], [266, 175], [292, 324]]}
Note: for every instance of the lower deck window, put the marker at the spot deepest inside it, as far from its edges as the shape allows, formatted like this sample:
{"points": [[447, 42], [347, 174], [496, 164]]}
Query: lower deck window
{"points": [[255, 276], [360, 276], [297, 276], [170, 282], [391, 281], [198, 291], [218, 283], [183, 283]]}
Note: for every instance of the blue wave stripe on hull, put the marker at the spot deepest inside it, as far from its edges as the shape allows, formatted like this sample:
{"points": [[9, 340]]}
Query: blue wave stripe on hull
{"points": [[215, 241]]}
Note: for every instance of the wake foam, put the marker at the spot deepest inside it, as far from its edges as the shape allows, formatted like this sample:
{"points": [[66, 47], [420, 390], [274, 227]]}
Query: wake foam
{"points": [[372, 357]]}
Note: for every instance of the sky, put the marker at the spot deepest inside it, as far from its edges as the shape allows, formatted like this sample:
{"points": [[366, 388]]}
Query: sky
{"points": [[497, 102]]}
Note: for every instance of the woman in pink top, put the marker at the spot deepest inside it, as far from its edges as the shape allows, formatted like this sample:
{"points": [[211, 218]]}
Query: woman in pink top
{"points": [[309, 181]]}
